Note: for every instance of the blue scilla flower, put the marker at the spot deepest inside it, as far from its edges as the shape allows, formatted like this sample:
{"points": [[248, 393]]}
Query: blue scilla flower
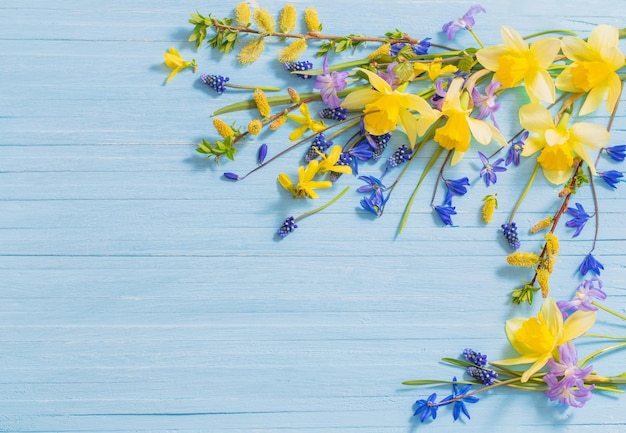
{"points": [[617, 153], [375, 203], [580, 218], [590, 264], [426, 408], [215, 82], [515, 150], [459, 399], [489, 170], [371, 184], [455, 187], [445, 213], [611, 177], [419, 49]]}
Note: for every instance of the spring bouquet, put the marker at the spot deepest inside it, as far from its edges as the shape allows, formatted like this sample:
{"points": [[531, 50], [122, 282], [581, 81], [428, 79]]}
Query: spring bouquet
{"points": [[406, 97]]}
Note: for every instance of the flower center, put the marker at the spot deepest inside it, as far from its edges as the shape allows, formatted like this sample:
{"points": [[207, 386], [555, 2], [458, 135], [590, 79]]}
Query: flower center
{"points": [[512, 70], [587, 75], [455, 134], [535, 334]]}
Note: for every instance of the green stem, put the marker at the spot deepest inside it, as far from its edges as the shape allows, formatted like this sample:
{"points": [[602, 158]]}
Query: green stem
{"points": [[598, 352], [311, 212], [407, 209], [608, 337], [547, 32], [267, 88], [521, 199], [608, 310], [476, 37]]}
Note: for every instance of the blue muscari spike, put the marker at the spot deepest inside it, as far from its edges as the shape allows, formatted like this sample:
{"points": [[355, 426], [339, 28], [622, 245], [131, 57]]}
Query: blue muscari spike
{"points": [[302, 65], [216, 82]]}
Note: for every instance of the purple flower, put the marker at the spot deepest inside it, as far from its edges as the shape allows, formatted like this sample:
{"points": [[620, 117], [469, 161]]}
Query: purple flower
{"points": [[611, 177], [566, 380], [459, 403], [455, 187], [487, 104], [580, 218], [375, 203], [439, 96], [427, 408], [231, 176], [372, 184], [590, 264], [617, 153], [329, 84], [419, 49], [510, 234], [288, 226], [390, 76], [585, 293], [489, 170], [262, 153], [515, 150], [465, 22], [445, 213]]}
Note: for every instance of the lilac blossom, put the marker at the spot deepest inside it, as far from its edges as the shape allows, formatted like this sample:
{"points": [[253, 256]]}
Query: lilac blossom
{"points": [[583, 299], [487, 104], [329, 84], [439, 96], [465, 22], [390, 75]]}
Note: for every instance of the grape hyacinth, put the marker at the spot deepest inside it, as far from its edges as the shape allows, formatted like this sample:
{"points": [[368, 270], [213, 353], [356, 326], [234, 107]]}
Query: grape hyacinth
{"points": [[402, 154], [381, 142], [344, 159], [319, 144], [302, 65], [288, 226], [215, 82], [485, 376], [510, 233], [474, 357], [333, 113]]}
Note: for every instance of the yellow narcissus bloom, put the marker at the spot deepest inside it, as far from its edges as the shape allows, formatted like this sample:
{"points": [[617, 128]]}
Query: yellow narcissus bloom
{"points": [[516, 61], [593, 70], [328, 162], [176, 63], [434, 69], [456, 134], [537, 339], [307, 123], [559, 144], [306, 185], [385, 108]]}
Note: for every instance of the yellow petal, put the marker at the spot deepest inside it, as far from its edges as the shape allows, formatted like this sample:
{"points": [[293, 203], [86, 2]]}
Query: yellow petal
{"points": [[297, 133], [377, 82], [497, 135], [490, 57], [603, 36], [426, 121], [360, 98], [591, 134], [480, 130], [285, 182], [538, 365], [512, 39], [594, 99], [533, 144], [457, 157], [453, 96], [540, 86], [576, 325], [535, 117], [557, 177], [173, 73], [544, 51], [552, 316], [565, 81], [408, 122], [615, 88]]}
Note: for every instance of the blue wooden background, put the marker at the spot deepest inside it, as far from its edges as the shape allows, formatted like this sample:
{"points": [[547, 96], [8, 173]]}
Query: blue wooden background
{"points": [[142, 292]]}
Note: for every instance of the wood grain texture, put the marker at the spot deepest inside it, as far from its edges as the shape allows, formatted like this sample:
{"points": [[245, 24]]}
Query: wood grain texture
{"points": [[139, 291]]}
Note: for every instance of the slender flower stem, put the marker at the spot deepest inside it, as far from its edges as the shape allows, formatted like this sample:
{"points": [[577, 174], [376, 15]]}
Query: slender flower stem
{"points": [[608, 310], [508, 382], [311, 212], [243, 87], [439, 176], [473, 33], [521, 198], [547, 32], [596, 210], [598, 352]]}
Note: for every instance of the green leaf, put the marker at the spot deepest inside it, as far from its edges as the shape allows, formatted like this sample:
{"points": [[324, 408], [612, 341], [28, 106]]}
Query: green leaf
{"points": [[404, 70]]}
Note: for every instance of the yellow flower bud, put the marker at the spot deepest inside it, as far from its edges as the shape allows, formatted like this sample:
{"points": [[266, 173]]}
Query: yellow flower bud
{"points": [[293, 51], [293, 94], [489, 207], [311, 19], [255, 126], [242, 14], [287, 19], [264, 21], [280, 121], [222, 128], [251, 51], [261, 103], [380, 51], [523, 259], [543, 277], [541, 225]]}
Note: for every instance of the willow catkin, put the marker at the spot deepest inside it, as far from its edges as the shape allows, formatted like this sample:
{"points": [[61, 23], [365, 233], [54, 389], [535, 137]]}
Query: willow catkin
{"points": [[287, 18], [222, 128], [262, 104], [242, 14], [489, 207], [251, 51], [255, 126], [293, 51], [524, 259], [380, 51], [311, 19], [264, 21]]}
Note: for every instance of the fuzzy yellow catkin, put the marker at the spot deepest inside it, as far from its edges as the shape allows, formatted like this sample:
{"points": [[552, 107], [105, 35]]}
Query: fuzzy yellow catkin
{"points": [[380, 51], [552, 244], [543, 279], [293, 94], [541, 225], [255, 126], [293, 51], [251, 51], [242, 14], [287, 19], [524, 259], [489, 207], [264, 21], [280, 121], [311, 19], [222, 128], [262, 104]]}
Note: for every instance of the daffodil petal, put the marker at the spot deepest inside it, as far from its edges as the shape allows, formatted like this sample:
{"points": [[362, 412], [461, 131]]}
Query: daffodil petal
{"points": [[512, 39], [603, 36], [532, 145], [577, 324], [497, 135], [173, 73], [615, 88], [577, 50], [613, 56], [544, 51], [480, 130], [580, 150], [408, 122], [557, 177], [377, 82], [285, 182], [594, 99], [453, 99], [552, 316], [490, 57], [538, 365], [565, 81], [457, 157], [535, 117], [591, 134], [426, 121], [540, 85], [360, 98]]}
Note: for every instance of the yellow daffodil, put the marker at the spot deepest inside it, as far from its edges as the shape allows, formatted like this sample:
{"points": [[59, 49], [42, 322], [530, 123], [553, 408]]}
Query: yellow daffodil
{"points": [[385, 108], [594, 69], [434, 69], [537, 339], [328, 162], [176, 63], [516, 61], [307, 123], [559, 144], [306, 185], [456, 134]]}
